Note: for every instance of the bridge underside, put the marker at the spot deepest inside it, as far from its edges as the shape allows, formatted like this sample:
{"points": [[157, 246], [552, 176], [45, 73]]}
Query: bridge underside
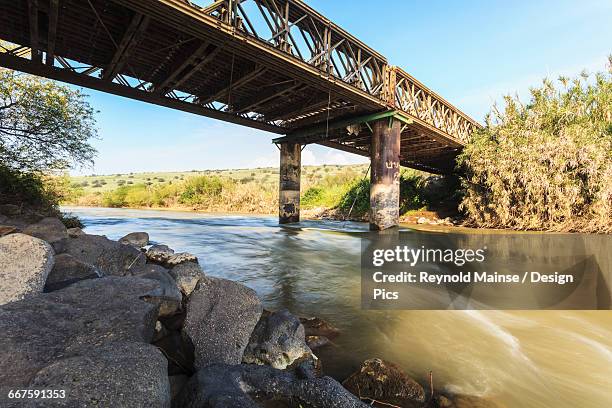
{"points": [[329, 88]]}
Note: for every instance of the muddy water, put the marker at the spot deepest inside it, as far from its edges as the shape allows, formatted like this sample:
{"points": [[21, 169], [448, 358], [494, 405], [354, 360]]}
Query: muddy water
{"points": [[520, 359]]}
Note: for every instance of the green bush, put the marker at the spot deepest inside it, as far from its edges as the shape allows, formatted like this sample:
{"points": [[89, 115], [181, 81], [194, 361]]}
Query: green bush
{"points": [[545, 165]]}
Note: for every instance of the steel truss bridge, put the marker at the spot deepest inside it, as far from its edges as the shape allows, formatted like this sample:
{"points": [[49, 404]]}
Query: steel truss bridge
{"points": [[276, 65]]}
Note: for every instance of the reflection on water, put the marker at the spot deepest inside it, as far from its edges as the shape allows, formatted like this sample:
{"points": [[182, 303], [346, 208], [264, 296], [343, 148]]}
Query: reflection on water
{"points": [[521, 359]]}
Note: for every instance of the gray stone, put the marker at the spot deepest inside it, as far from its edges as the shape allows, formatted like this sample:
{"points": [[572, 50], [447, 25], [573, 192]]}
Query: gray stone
{"points": [[138, 239], [75, 232], [39, 330], [169, 296], [163, 255], [179, 258], [315, 342], [159, 254], [10, 209], [315, 326], [68, 270], [187, 275], [25, 263], [385, 382], [117, 374], [227, 386], [278, 340], [221, 316], [110, 257], [49, 229]]}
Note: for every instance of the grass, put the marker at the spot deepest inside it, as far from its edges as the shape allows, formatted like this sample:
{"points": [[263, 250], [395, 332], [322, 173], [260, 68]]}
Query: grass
{"points": [[337, 191]]}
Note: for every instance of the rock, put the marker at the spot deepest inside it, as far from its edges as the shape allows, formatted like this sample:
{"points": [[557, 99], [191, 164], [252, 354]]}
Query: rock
{"points": [[117, 374], [10, 209], [163, 255], [277, 340], [68, 270], [40, 330], [7, 229], [187, 275], [49, 229], [3, 218], [159, 254], [314, 326], [422, 220], [25, 263], [138, 239], [237, 386], [180, 258], [177, 383], [221, 316], [169, 296], [110, 257], [315, 342], [75, 232], [383, 381]]}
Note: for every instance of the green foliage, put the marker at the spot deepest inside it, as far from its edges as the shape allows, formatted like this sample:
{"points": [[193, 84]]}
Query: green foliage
{"points": [[546, 165], [43, 125]]}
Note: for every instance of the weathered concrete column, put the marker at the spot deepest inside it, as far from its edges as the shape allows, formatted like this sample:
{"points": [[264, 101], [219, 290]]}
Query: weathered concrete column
{"points": [[384, 179], [289, 191]]}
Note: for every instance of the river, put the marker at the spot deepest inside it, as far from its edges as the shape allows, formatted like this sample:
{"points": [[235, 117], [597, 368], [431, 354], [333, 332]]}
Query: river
{"points": [[560, 359]]}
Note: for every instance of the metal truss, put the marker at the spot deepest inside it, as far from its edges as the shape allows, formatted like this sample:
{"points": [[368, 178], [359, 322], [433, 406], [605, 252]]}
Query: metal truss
{"points": [[25, 59]]}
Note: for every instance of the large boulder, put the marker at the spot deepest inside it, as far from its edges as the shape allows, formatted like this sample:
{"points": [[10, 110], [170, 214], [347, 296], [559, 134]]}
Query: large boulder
{"points": [[239, 386], [169, 295], [138, 239], [187, 275], [221, 316], [110, 257], [68, 270], [278, 340], [39, 330], [49, 229], [116, 374], [379, 380], [25, 263]]}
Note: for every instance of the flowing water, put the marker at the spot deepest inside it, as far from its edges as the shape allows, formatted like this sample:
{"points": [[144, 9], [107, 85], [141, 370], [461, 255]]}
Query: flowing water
{"points": [[558, 359]]}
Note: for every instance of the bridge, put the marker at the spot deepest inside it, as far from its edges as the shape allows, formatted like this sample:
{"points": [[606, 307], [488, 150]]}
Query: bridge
{"points": [[274, 65]]}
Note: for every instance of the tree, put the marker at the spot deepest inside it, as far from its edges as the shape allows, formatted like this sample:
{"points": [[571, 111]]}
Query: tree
{"points": [[44, 126]]}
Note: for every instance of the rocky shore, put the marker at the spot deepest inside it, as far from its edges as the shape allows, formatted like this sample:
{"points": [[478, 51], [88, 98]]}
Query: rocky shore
{"points": [[129, 324]]}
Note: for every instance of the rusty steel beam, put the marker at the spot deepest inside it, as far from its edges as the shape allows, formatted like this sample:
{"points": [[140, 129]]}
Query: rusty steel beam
{"points": [[233, 84], [52, 31], [72, 77], [130, 39]]}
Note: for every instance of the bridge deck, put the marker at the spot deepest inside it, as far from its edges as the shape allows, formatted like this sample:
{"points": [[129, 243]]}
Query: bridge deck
{"points": [[276, 65]]}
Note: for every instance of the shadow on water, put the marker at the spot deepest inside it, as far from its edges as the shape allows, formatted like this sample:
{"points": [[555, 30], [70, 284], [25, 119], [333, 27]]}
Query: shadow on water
{"points": [[521, 358]]}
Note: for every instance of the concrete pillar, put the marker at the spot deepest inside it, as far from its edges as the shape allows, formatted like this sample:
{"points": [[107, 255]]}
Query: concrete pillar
{"points": [[289, 189], [384, 179]]}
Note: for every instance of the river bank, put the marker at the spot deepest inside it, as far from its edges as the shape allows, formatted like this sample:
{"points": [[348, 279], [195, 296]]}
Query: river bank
{"points": [[516, 359], [132, 323]]}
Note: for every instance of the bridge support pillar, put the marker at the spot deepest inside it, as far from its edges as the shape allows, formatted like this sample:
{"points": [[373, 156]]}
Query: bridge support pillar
{"points": [[289, 189], [384, 178]]}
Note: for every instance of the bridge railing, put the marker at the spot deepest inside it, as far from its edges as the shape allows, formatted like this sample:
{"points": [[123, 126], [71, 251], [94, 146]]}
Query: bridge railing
{"points": [[297, 29], [413, 97]]}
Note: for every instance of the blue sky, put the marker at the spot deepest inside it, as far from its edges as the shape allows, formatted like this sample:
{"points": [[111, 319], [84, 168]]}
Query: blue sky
{"points": [[470, 52]]}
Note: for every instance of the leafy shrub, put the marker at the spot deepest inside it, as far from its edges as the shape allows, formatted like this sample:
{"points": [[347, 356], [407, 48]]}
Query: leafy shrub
{"points": [[546, 165]]}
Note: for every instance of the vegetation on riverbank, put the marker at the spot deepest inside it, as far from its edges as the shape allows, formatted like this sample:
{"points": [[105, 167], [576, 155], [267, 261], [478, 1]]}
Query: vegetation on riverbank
{"points": [[545, 165], [337, 191]]}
